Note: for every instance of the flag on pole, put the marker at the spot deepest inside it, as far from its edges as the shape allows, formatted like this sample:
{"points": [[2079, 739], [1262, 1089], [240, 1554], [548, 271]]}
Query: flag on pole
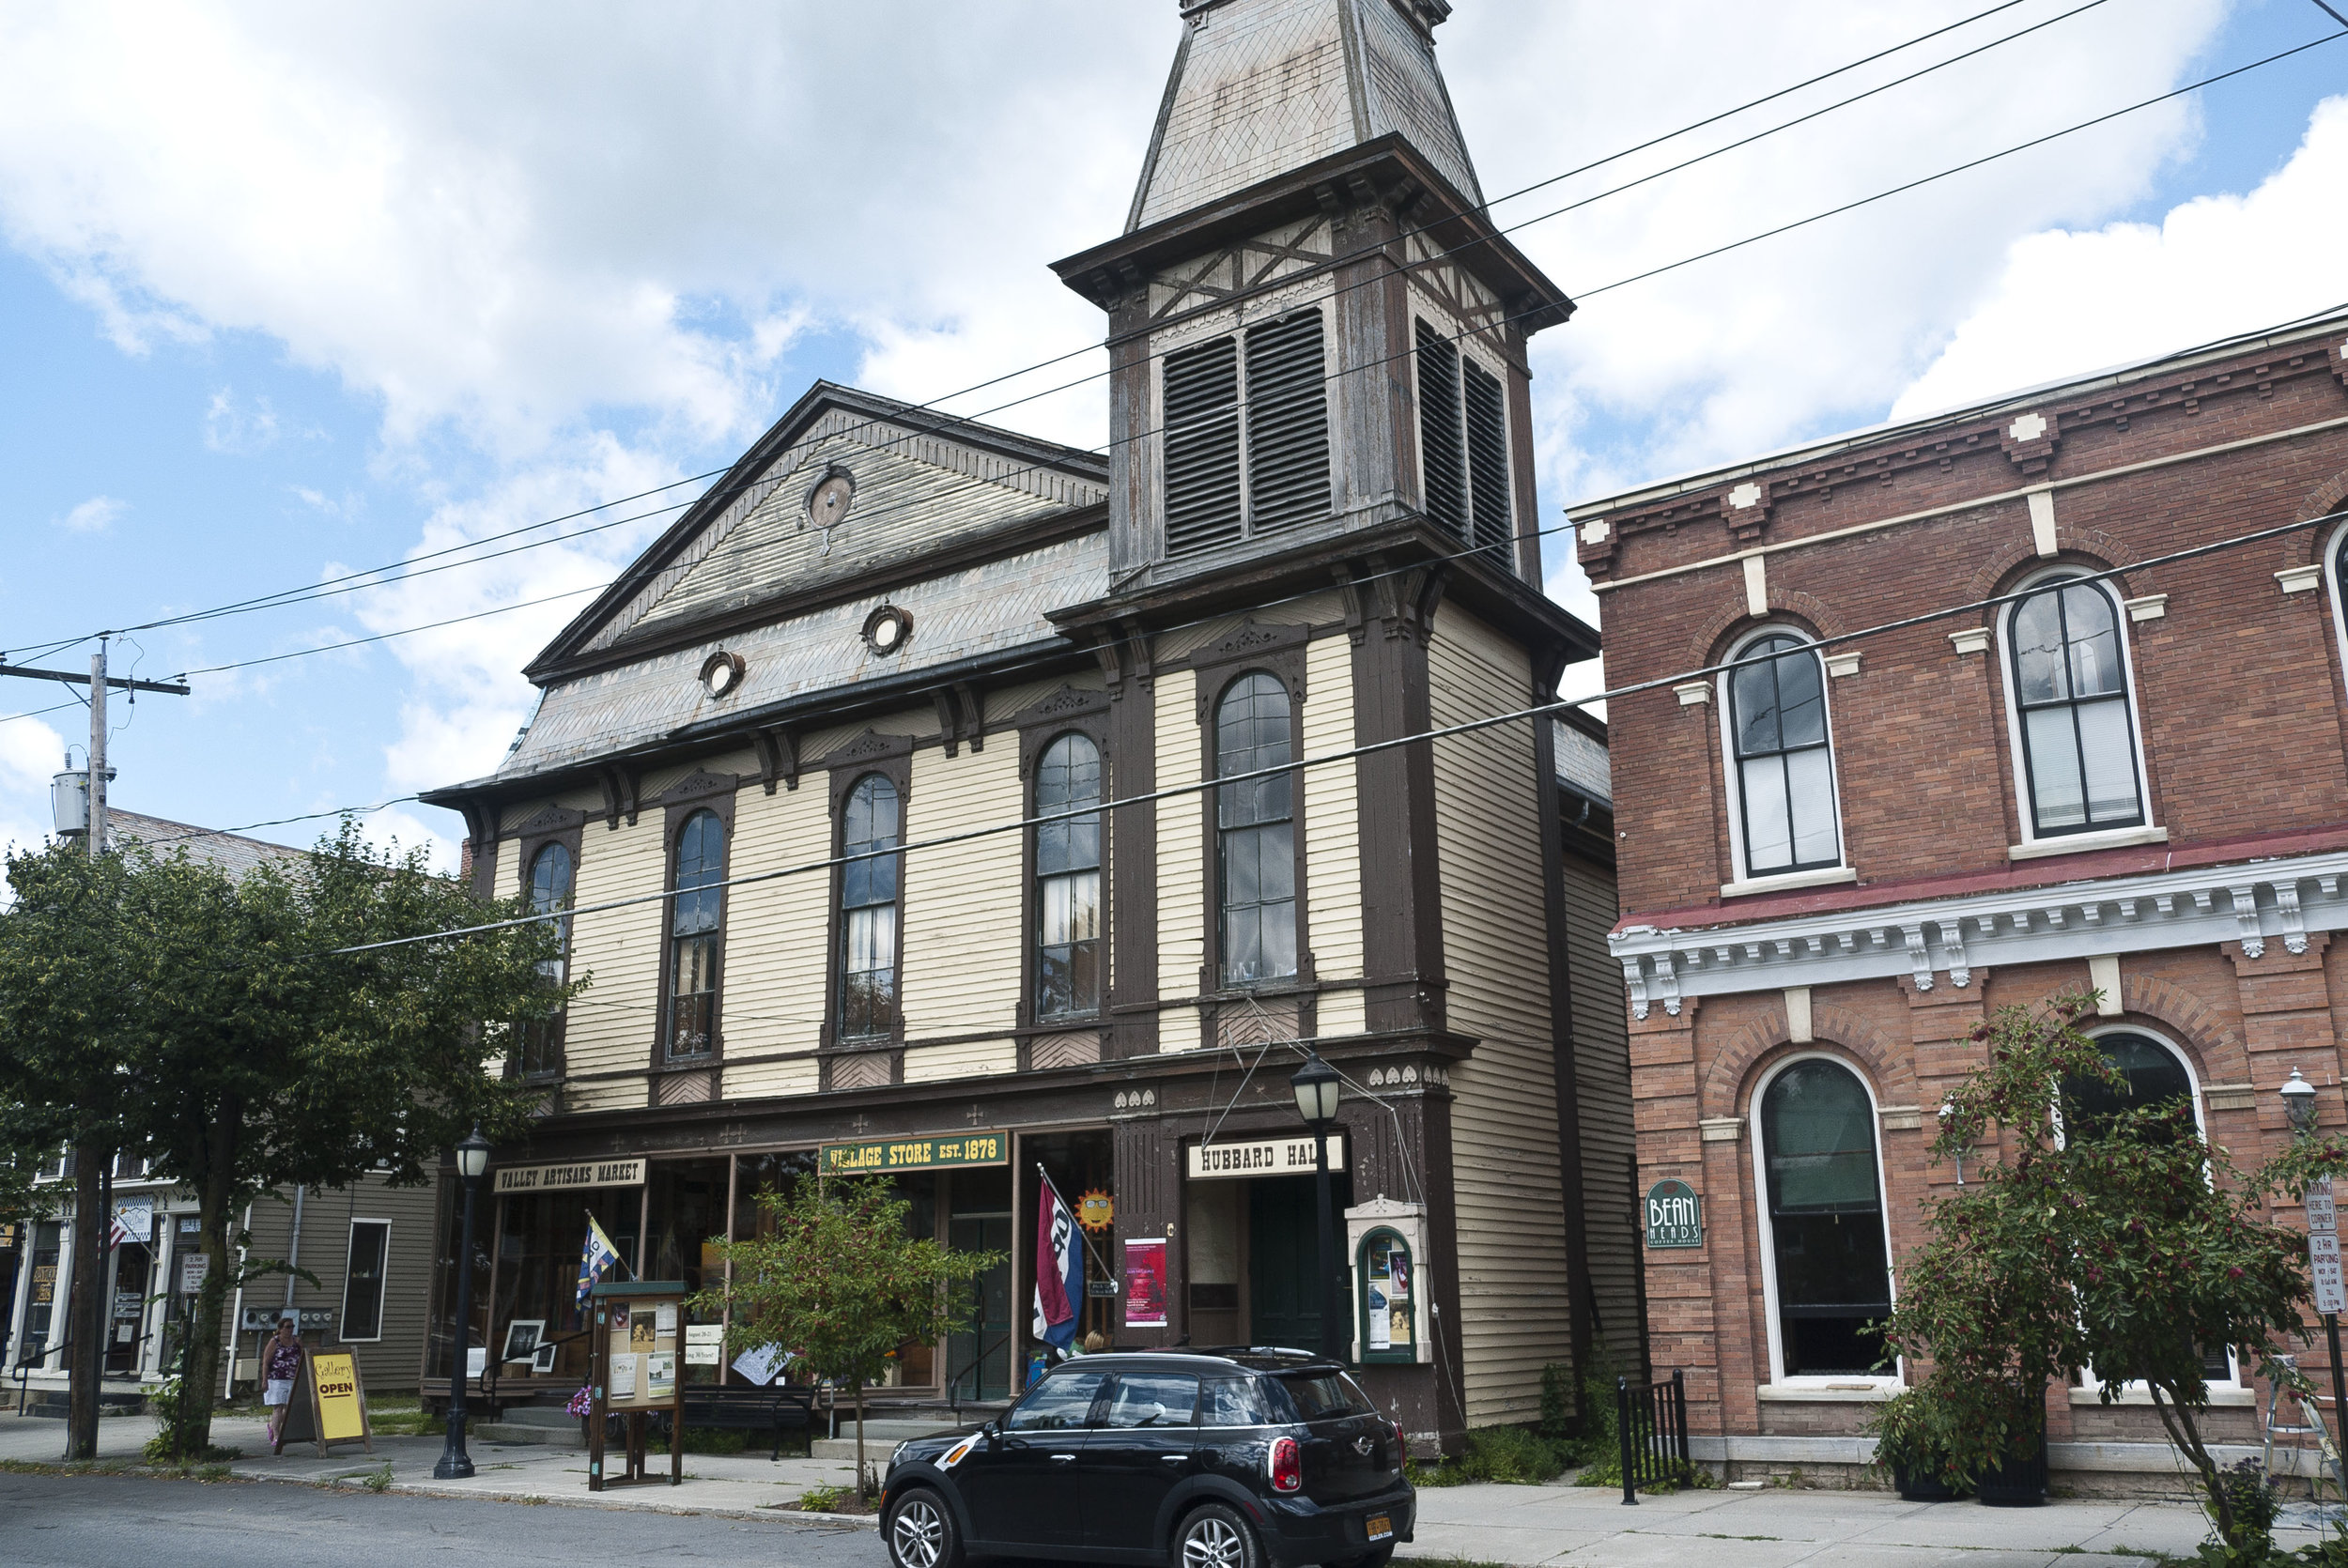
{"points": [[1059, 1270], [595, 1258]]}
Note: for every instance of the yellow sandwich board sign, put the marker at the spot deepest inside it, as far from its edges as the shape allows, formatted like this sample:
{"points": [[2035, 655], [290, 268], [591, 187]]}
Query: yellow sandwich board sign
{"points": [[329, 1404]]}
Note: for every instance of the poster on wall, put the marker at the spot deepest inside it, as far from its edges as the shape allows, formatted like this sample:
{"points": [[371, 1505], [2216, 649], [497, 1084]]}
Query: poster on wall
{"points": [[1145, 1284]]}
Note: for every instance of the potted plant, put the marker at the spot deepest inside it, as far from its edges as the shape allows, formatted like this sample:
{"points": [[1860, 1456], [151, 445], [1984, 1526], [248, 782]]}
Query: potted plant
{"points": [[1909, 1444]]}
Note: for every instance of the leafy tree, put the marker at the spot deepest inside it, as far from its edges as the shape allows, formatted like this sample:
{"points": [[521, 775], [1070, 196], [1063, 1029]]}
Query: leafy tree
{"points": [[252, 1053], [838, 1281], [2121, 1243]]}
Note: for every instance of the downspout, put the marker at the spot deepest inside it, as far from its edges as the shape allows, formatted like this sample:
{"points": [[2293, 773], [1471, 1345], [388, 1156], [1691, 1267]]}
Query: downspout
{"points": [[235, 1314], [293, 1252]]}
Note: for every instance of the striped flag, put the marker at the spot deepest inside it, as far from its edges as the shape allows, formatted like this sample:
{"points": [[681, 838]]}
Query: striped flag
{"points": [[595, 1258], [1059, 1280]]}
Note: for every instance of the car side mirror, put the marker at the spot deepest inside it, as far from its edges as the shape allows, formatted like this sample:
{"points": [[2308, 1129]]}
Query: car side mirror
{"points": [[992, 1431]]}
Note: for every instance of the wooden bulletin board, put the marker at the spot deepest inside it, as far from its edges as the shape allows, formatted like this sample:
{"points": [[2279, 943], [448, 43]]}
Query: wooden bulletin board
{"points": [[638, 1346]]}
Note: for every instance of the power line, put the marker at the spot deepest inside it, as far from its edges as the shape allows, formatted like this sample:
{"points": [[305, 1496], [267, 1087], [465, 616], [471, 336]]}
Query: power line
{"points": [[361, 579], [1350, 753]]}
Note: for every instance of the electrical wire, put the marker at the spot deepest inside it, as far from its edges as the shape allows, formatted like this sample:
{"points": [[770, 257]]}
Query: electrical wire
{"points": [[375, 575], [1437, 732]]}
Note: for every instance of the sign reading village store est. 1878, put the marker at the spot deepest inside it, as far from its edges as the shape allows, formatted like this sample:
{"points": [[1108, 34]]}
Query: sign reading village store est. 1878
{"points": [[1674, 1215], [916, 1154]]}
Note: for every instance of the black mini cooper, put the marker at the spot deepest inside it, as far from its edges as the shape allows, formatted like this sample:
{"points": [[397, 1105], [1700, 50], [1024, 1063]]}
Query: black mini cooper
{"points": [[1196, 1459]]}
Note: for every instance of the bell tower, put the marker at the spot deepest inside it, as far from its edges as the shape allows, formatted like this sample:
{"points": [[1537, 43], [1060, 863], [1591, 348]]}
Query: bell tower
{"points": [[1316, 337]]}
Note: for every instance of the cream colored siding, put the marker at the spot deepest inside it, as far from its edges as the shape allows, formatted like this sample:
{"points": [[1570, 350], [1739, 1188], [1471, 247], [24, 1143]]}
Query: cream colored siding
{"points": [[508, 881], [777, 940], [613, 1023], [1602, 1052], [1338, 1013], [1182, 863], [1515, 1287], [935, 1062], [1332, 854], [959, 967]]}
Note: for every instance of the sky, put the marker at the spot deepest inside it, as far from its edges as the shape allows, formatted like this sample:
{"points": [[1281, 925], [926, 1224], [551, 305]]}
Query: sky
{"points": [[290, 293]]}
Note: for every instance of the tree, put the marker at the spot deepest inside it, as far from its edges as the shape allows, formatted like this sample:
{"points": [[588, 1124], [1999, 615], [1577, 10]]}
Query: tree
{"points": [[256, 1055], [2122, 1244], [839, 1283]]}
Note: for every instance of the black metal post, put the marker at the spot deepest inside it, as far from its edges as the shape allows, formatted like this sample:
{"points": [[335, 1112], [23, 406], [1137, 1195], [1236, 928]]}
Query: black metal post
{"points": [[455, 1463], [1622, 1430], [1334, 1307], [2331, 1343]]}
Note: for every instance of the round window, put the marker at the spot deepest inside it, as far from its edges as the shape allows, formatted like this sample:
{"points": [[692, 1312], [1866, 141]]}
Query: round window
{"points": [[828, 503], [888, 629], [722, 673]]}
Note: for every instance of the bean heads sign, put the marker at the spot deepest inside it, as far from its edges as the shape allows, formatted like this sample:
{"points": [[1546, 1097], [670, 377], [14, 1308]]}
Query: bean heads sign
{"points": [[1674, 1215]]}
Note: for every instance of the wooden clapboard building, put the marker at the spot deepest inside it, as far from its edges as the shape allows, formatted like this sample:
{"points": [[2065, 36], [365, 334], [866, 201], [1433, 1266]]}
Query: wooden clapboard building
{"points": [[885, 627]]}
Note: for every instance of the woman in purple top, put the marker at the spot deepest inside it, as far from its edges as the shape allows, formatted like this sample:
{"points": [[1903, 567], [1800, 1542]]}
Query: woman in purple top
{"points": [[280, 1364]]}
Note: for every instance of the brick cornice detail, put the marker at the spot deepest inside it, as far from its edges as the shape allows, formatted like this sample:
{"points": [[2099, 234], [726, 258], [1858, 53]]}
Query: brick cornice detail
{"points": [[1726, 1085]]}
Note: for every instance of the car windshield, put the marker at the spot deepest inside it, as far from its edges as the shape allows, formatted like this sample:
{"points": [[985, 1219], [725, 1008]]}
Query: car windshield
{"points": [[1058, 1403], [1320, 1395]]}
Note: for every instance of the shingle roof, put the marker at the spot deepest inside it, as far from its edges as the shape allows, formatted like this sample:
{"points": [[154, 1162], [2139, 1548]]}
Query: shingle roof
{"points": [[231, 853]]}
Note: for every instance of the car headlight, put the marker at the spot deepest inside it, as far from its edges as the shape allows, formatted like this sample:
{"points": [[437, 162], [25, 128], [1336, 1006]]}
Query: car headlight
{"points": [[897, 1452]]}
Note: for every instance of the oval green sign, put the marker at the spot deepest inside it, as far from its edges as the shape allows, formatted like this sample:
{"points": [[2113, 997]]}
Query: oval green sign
{"points": [[1674, 1215]]}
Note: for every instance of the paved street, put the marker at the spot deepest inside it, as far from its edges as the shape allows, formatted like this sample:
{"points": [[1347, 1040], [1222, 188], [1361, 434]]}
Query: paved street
{"points": [[725, 1509]]}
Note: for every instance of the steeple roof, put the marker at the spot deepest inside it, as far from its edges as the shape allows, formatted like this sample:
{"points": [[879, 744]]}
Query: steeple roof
{"points": [[1263, 86]]}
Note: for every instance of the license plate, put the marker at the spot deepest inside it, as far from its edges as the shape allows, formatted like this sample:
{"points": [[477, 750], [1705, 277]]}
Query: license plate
{"points": [[1378, 1526]]}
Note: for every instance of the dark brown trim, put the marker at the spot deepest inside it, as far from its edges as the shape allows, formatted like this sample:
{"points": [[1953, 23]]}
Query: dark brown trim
{"points": [[892, 758], [1402, 947], [1275, 647], [778, 750], [1565, 1061], [552, 825], [1131, 728], [679, 804], [1286, 665], [1067, 711]]}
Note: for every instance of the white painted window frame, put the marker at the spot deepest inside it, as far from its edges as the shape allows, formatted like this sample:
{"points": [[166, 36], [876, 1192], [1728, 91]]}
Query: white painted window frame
{"points": [[2090, 1391], [1745, 875], [2025, 806], [1838, 1381], [383, 1298], [2330, 562]]}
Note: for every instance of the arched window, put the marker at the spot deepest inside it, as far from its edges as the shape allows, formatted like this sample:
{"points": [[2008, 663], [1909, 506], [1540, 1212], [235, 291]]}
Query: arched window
{"points": [[1782, 760], [1068, 879], [2151, 1074], [1825, 1205], [695, 942], [2070, 681], [868, 910], [551, 874], [1255, 833]]}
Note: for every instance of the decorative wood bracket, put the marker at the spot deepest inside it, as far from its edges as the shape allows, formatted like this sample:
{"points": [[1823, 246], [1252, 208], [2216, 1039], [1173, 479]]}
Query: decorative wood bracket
{"points": [[777, 751], [618, 793]]}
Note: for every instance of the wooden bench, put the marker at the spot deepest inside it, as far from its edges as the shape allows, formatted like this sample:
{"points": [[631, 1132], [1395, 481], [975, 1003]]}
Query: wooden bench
{"points": [[775, 1409]]}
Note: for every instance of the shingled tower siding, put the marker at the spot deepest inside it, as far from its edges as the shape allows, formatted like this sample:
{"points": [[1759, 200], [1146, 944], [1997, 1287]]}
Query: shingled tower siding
{"points": [[2206, 919]]}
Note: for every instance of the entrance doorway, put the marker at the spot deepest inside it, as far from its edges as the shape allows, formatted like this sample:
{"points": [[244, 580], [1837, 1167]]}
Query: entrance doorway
{"points": [[133, 1262], [978, 1359], [1283, 1262]]}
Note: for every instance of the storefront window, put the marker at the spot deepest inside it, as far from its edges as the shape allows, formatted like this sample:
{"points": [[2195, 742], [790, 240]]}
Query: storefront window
{"points": [[1825, 1220], [688, 1212], [41, 1296], [1385, 1280], [537, 1276]]}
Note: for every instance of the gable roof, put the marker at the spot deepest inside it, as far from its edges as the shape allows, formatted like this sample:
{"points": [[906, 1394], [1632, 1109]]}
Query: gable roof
{"points": [[232, 852], [923, 480], [1263, 86]]}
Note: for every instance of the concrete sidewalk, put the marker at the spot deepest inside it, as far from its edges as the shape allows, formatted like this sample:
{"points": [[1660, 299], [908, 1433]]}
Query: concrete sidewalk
{"points": [[1575, 1527]]}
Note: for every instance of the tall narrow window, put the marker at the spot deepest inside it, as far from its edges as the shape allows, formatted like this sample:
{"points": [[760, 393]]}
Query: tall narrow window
{"points": [[1068, 879], [551, 874], [2071, 690], [1784, 767], [868, 910], [696, 954], [1255, 832], [362, 1279], [1246, 434], [1825, 1220], [1463, 444], [1488, 458], [1441, 454]]}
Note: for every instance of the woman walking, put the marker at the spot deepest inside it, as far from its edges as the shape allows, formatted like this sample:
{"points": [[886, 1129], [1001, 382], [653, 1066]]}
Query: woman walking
{"points": [[280, 1364]]}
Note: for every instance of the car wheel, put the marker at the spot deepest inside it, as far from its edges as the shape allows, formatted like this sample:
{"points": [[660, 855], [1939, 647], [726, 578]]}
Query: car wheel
{"points": [[1214, 1536], [920, 1532], [1378, 1559]]}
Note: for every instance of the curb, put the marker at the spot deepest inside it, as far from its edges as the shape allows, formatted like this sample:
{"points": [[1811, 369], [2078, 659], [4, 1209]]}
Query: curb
{"points": [[589, 1501]]}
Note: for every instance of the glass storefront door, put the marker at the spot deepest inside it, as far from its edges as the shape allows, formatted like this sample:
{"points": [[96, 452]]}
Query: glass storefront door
{"points": [[135, 1261], [40, 1301]]}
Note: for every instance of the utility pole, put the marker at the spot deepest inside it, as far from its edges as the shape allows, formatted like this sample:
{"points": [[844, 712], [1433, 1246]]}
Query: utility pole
{"points": [[89, 1302]]}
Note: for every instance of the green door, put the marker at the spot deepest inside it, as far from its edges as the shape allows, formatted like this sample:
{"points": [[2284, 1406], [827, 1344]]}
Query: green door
{"points": [[979, 1362], [1282, 1260]]}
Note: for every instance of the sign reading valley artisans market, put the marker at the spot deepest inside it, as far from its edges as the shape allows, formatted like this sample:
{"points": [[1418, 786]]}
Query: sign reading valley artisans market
{"points": [[1674, 1215], [918, 1154], [1267, 1157], [582, 1173]]}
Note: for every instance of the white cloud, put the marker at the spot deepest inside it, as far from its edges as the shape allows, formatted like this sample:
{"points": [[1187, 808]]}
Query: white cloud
{"points": [[94, 515], [232, 427], [2070, 302], [30, 752]]}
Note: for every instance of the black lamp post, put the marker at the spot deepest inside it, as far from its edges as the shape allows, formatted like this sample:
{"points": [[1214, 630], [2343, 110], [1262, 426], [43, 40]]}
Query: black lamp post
{"points": [[472, 1160], [1316, 1086], [2300, 1106]]}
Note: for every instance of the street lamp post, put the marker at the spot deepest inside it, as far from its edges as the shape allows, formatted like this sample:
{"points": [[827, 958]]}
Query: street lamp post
{"points": [[472, 1160], [2300, 1106], [1316, 1086]]}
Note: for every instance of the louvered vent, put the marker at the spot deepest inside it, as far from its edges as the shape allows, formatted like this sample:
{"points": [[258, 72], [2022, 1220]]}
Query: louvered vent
{"points": [[1440, 460], [1288, 423], [1488, 458], [1203, 500]]}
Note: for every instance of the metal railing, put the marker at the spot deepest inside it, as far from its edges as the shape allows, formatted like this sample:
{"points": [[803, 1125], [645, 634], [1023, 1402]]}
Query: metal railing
{"points": [[954, 1384], [24, 1366], [1652, 1419]]}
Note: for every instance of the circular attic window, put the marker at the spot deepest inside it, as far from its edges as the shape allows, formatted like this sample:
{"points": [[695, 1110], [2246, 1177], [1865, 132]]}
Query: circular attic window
{"points": [[828, 503], [722, 673], [888, 629]]}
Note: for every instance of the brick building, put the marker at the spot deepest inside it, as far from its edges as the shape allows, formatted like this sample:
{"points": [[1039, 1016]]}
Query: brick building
{"points": [[1835, 861]]}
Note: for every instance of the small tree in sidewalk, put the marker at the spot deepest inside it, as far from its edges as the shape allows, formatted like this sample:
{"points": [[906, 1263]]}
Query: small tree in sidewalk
{"points": [[839, 1282], [2113, 1244]]}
